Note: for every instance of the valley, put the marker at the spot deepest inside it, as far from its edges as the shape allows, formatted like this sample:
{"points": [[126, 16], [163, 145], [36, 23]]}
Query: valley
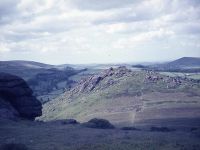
{"points": [[99, 74], [54, 107]]}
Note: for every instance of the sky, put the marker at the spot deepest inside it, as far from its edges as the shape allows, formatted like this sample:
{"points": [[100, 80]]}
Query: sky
{"points": [[99, 31]]}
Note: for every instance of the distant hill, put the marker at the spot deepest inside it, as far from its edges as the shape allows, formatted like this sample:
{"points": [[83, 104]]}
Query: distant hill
{"points": [[24, 63], [24, 69], [184, 64]]}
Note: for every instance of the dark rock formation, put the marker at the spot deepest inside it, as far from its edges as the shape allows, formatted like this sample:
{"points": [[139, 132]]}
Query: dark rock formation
{"points": [[7, 110], [99, 124], [16, 95]]}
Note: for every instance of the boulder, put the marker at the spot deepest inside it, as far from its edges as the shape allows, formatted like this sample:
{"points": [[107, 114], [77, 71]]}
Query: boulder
{"points": [[7, 110], [16, 94]]}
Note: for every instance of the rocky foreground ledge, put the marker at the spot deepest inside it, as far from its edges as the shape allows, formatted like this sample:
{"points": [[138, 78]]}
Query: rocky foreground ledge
{"points": [[16, 99]]}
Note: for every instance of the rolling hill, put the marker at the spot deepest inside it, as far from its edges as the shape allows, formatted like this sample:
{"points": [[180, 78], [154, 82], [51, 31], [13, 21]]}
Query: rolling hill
{"points": [[126, 97], [185, 62], [24, 69]]}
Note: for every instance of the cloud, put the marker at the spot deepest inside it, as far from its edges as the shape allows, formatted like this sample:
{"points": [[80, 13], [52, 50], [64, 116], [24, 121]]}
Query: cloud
{"points": [[98, 5], [143, 38], [8, 10], [4, 48], [112, 29]]}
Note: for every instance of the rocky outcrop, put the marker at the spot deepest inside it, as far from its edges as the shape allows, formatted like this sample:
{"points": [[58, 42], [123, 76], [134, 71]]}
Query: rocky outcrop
{"points": [[17, 99], [91, 83]]}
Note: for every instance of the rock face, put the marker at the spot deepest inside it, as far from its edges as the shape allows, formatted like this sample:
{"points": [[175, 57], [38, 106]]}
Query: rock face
{"points": [[91, 83], [16, 98]]}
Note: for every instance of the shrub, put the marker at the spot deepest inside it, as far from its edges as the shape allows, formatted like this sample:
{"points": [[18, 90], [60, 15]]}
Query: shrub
{"points": [[130, 128], [70, 121], [161, 129], [98, 123], [193, 129]]}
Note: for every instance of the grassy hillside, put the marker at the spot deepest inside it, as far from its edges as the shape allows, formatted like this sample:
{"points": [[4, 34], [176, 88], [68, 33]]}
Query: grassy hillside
{"points": [[125, 97]]}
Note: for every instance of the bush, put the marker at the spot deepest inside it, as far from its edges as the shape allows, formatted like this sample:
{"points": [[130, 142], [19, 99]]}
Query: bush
{"points": [[193, 129], [161, 129], [13, 146], [98, 123], [70, 121], [130, 128]]}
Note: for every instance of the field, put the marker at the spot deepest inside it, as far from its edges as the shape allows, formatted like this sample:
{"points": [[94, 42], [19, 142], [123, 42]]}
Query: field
{"points": [[57, 136]]}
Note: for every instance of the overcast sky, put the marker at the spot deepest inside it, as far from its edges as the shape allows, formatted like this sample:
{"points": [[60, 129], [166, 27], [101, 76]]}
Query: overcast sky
{"points": [[99, 31]]}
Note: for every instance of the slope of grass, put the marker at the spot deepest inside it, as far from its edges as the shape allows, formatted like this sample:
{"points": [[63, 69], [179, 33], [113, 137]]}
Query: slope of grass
{"points": [[125, 97]]}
